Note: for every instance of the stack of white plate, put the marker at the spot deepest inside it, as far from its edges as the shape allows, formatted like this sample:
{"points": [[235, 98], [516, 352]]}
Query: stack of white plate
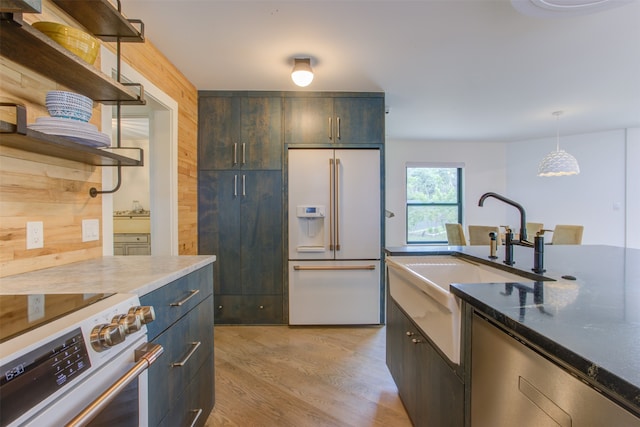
{"points": [[78, 131]]}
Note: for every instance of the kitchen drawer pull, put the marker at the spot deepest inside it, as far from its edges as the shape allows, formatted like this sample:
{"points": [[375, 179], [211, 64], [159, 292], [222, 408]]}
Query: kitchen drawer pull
{"points": [[334, 267], [194, 347], [145, 356], [198, 412], [192, 293]]}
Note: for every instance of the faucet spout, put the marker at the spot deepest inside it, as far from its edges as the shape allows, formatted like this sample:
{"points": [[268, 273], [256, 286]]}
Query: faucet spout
{"points": [[523, 215]]}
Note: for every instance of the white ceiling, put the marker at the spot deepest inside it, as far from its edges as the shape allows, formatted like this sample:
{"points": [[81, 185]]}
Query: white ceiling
{"points": [[476, 70]]}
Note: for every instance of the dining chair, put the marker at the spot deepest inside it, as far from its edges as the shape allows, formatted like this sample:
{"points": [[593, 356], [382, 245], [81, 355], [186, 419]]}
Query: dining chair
{"points": [[455, 234], [532, 229], [479, 234], [567, 235]]}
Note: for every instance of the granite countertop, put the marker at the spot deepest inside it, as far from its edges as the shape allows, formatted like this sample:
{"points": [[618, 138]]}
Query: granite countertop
{"points": [[120, 274], [590, 324]]}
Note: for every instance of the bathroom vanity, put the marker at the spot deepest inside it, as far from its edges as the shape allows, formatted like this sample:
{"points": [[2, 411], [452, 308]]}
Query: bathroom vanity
{"points": [[553, 351]]}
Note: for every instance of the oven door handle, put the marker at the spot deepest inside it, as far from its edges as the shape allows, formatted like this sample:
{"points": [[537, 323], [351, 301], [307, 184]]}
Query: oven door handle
{"points": [[144, 356]]}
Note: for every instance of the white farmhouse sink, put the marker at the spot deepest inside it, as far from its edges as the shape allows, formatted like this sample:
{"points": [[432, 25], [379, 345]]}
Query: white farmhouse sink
{"points": [[420, 285]]}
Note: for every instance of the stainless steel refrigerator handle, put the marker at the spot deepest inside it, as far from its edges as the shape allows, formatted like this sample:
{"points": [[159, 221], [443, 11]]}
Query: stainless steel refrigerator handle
{"points": [[235, 186], [337, 204], [144, 356], [338, 122], [331, 204], [235, 154], [334, 267], [244, 185], [244, 149], [330, 129]]}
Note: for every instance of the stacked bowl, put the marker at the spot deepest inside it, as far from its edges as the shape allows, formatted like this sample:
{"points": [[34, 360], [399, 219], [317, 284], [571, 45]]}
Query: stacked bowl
{"points": [[70, 113], [77, 41]]}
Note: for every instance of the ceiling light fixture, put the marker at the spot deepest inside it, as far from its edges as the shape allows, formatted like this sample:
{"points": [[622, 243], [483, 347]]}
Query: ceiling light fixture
{"points": [[302, 74], [559, 162]]}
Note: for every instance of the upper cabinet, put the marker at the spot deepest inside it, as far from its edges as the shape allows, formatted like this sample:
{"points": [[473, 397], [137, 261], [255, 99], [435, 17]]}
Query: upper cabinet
{"points": [[334, 118], [239, 131]]}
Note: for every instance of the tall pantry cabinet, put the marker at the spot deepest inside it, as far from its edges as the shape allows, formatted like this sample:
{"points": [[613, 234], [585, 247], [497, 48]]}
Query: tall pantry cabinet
{"points": [[240, 198]]}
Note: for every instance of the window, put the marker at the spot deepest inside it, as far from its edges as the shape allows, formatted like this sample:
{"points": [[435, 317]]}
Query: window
{"points": [[434, 198]]}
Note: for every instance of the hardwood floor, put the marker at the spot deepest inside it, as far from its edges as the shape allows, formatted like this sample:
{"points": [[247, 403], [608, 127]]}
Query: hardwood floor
{"points": [[303, 377]]}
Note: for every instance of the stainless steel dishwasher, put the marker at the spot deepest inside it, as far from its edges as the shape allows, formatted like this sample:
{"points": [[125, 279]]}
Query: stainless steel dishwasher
{"points": [[512, 385]]}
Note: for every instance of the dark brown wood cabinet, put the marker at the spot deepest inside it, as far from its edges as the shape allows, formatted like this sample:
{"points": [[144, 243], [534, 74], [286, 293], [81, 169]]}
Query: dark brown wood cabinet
{"points": [[431, 392], [239, 131], [334, 118], [240, 199]]}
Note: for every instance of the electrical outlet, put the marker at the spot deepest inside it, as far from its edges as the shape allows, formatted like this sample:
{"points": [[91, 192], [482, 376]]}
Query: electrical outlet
{"points": [[35, 235], [35, 307], [90, 230]]}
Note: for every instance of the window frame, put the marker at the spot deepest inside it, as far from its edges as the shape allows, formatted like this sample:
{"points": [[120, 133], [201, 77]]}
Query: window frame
{"points": [[459, 190]]}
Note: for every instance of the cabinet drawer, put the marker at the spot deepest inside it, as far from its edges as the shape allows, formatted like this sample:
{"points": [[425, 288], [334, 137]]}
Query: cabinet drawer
{"points": [[196, 402], [167, 381], [174, 300], [248, 309], [131, 238]]}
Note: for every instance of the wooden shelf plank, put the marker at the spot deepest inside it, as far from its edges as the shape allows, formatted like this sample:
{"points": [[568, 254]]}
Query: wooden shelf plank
{"points": [[57, 146], [29, 47], [29, 6], [103, 20]]}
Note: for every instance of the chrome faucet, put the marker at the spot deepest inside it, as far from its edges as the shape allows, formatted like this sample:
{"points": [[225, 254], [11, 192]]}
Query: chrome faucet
{"points": [[522, 240]]}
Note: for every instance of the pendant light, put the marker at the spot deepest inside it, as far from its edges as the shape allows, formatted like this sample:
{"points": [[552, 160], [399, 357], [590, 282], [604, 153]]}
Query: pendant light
{"points": [[559, 162], [302, 74]]}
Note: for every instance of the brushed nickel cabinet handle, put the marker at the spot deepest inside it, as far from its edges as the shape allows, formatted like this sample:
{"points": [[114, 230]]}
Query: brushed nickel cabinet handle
{"points": [[198, 412], [331, 213], [338, 120], [244, 150], [244, 185], [235, 186], [192, 293], [194, 347], [235, 154], [337, 204], [330, 129], [333, 267]]}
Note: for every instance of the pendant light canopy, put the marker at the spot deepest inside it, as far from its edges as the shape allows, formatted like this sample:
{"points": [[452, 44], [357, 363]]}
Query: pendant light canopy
{"points": [[559, 162], [302, 74]]}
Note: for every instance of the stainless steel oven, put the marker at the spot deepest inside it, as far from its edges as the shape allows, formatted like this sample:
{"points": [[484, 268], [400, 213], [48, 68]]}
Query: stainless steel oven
{"points": [[74, 359]]}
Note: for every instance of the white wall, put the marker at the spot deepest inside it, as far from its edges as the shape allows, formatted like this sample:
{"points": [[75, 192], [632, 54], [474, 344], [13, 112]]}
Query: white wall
{"points": [[135, 181], [633, 188], [594, 198], [485, 170]]}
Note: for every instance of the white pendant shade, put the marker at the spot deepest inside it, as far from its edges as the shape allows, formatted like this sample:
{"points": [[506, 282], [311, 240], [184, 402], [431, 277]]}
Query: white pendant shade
{"points": [[558, 163], [302, 74]]}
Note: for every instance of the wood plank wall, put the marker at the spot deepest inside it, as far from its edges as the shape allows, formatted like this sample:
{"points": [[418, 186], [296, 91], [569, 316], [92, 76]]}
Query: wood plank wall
{"points": [[56, 191]]}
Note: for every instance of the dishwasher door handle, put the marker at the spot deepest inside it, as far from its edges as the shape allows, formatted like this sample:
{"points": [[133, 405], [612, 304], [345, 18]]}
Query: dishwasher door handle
{"points": [[333, 267], [145, 356]]}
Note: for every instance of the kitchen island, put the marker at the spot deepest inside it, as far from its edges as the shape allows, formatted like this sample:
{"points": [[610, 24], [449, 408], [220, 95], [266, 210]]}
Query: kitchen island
{"points": [[180, 290], [589, 327]]}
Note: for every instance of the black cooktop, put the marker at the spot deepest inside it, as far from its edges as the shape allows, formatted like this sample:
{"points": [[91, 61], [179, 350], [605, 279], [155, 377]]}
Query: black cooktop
{"points": [[22, 313]]}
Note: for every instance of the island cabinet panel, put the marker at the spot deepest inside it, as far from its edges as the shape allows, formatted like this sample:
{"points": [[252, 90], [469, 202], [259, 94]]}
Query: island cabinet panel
{"points": [[240, 132], [431, 392], [241, 223], [184, 328], [334, 119]]}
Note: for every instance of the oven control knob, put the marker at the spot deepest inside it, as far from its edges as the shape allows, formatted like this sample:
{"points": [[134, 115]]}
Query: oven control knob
{"points": [[106, 335], [146, 313], [131, 322]]}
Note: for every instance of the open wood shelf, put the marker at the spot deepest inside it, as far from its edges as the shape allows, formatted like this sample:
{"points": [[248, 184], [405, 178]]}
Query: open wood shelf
{"points": [[103, 20], [64, 148], [29, 6], [29, 47]]}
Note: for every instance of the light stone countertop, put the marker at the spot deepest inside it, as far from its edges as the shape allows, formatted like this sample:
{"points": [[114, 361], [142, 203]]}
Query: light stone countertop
{"points": [[110, 274]]}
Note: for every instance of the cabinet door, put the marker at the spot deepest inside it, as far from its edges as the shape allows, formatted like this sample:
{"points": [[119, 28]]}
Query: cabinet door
{"points": [[219, 196], [308, 120], [261, 133], [218, 132], [359, 120], [261, 232]]}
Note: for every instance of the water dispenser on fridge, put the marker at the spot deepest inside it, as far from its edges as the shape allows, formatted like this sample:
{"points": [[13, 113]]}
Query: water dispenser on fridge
{"points": [[311, 228]]}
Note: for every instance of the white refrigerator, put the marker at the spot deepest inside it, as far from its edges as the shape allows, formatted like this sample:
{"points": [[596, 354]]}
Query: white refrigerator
{"points": [[334, 236]]}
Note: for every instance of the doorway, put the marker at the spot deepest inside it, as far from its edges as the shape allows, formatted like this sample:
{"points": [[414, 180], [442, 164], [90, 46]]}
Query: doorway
{"points": [[154, 128]]}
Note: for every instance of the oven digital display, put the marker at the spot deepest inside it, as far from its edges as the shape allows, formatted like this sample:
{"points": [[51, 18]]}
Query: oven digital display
{"points": [[28, 380]]}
